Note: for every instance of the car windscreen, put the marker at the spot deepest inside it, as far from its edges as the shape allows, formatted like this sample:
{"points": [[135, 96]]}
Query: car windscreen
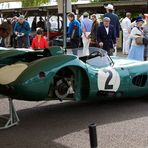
{"points": [[99, 61]]}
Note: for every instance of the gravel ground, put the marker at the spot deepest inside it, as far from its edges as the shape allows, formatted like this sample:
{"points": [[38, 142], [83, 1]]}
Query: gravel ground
{"points": [[120, 124]]}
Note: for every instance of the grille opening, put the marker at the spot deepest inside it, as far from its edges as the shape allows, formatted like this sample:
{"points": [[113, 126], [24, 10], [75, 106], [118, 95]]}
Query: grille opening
{"points": [[140, 80]]}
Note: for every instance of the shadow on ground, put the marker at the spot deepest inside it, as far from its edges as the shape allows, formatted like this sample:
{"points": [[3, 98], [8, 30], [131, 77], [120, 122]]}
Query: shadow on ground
{"points": [[39, 126]]}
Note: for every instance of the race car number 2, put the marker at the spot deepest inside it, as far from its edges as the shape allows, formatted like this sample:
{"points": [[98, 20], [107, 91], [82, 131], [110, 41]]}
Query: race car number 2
{"points": [[108, 79]]}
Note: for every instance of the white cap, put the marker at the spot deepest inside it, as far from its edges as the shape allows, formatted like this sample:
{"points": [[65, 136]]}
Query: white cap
{"points": [[109, 6], [21, 17]]}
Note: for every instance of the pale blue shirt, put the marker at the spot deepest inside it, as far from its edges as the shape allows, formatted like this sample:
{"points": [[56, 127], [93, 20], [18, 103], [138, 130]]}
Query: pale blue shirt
{"points": [[86, 24]]}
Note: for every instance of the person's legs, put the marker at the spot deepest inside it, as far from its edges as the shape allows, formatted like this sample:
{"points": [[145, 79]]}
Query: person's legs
{"points": [[146, 53], [145, 58], [86, 42], [125, 42], [19, 42], [87, 45], [75, 43], [26, 41]]}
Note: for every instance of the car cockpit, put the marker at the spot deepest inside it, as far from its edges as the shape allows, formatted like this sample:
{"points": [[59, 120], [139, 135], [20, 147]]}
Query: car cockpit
{"points": [[97, 57]]}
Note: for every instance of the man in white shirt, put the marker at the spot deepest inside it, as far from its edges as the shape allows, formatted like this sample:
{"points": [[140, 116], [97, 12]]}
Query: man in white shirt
{"points": [[126, 28]]}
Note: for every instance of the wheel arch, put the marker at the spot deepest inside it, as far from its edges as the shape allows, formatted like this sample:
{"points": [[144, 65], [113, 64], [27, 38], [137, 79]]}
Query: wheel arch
{"points": [[81, 84]]}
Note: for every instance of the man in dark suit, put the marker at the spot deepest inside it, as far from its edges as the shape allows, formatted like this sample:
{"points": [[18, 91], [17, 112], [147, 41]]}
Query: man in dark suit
{"points": [[106, 36]]}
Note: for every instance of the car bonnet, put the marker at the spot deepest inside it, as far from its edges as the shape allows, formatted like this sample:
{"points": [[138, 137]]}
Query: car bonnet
{"points": [[10, 73]]}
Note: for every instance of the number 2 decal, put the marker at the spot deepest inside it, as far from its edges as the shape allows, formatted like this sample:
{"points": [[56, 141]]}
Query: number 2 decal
{"points": [[107, 86], [108, 79]]}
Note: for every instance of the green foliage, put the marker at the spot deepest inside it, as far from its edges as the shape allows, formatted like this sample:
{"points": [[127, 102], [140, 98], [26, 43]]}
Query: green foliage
{"points": [[96, 1], [74, 0], [32, 3]]}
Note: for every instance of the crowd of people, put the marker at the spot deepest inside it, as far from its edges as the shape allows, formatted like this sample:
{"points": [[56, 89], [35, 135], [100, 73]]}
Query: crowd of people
{"points": [[133, 35], [96, 34], [19, 37], [88, 32], [106, 34]]}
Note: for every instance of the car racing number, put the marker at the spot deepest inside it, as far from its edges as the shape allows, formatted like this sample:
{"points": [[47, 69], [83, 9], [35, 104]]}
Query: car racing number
{"points": [[108, 79]]}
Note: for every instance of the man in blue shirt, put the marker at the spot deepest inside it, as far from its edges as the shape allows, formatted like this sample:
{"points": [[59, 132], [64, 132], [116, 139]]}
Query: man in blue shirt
{"points": [[74, 31], [86, 25], [22, 31]]}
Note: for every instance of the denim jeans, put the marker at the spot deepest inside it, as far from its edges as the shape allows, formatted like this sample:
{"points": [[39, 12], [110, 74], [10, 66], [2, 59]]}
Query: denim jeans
{"points": [[23, 42]]}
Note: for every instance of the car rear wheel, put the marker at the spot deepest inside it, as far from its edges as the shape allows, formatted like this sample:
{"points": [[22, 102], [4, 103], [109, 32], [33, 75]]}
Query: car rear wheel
{"points": [[63, 85]]}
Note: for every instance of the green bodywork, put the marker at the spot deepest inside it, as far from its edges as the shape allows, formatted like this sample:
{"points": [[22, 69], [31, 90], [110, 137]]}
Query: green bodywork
{"points": [[23, 55], [121, 78]]}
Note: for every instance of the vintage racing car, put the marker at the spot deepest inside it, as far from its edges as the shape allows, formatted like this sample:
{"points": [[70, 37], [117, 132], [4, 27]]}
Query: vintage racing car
{"points": [[71, 77]]}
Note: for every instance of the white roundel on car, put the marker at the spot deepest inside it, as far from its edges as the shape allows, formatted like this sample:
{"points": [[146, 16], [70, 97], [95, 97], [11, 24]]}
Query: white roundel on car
{"points": [[10, 73], [108, 79]]}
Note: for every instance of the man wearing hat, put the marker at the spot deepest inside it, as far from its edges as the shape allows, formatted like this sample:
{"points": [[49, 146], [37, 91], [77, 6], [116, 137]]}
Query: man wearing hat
{"points": [[86, 25], [22, 31], [136, 51], [106, 36], [114, 20]]}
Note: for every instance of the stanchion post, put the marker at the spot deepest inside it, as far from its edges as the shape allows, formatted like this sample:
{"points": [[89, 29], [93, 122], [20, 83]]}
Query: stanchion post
{"points": [[93, 135]]}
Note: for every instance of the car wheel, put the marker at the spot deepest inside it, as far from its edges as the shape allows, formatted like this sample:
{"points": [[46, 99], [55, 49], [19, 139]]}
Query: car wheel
{"points": [[63, 88]]}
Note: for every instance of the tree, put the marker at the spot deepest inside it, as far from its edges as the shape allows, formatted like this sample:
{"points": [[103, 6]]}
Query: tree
{"points": [[31, 3], [96, 1]]}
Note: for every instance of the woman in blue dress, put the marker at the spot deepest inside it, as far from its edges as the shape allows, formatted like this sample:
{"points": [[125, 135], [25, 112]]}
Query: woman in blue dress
{"points": [[136, 51]]}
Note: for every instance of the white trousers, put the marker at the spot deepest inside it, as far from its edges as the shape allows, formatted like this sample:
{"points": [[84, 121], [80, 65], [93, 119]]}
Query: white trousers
{"points": [[86, 42], [125, 49]]}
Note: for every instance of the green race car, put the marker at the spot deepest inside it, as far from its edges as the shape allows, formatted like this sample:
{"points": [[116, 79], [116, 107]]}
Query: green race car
{"points": [[56, 77], [71, 77]]}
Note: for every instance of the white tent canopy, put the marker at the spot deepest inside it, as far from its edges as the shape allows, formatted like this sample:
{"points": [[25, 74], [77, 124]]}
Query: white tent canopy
{"points": [[3, 1], [8, 4]]}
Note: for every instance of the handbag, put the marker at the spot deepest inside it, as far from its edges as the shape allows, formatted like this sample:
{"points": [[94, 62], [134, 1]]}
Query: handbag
{"points": [[139, 40]]}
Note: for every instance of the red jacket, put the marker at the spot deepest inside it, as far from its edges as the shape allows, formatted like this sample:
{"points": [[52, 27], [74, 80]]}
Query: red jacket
{"points": [[39, 44]]}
